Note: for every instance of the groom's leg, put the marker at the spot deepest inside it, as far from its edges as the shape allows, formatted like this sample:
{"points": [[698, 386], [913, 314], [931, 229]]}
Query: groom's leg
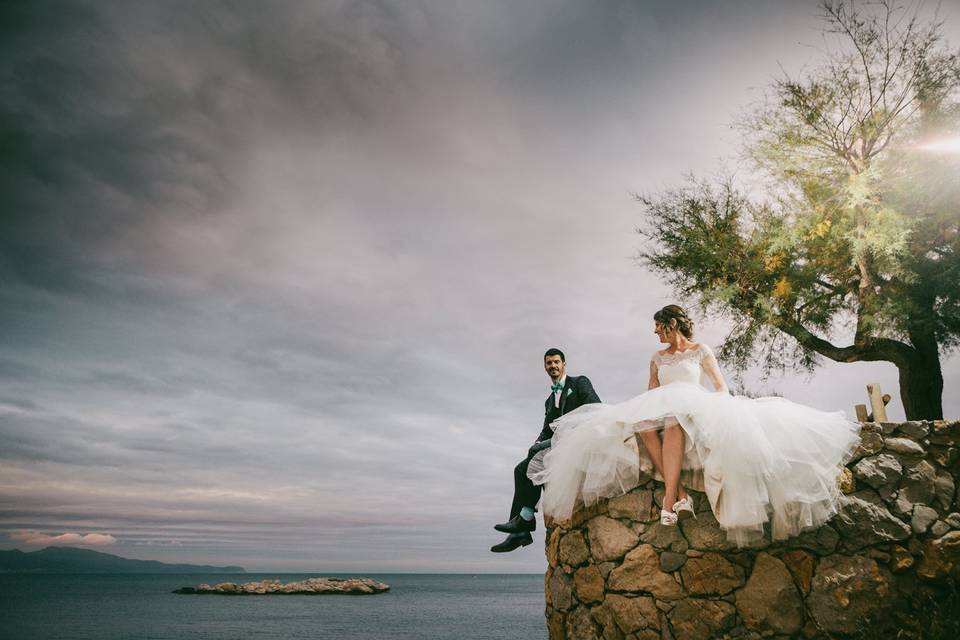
{"points": [[525, 493]]}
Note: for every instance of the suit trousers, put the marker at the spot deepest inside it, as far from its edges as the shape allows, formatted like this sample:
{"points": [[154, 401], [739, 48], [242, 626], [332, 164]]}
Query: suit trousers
{"points": [[525, 493]]}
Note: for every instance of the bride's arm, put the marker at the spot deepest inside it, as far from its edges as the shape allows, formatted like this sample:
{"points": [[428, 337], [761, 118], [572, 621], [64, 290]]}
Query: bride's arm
{"points": [[654, 376], [712, 369]]}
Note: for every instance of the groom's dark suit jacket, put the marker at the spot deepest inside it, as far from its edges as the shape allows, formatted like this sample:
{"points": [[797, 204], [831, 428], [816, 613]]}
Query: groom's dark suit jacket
{"points": [[576, 391]]}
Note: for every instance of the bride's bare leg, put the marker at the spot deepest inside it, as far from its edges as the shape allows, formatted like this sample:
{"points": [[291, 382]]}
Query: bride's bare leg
{"points": [[672, 453], [651, 440]]}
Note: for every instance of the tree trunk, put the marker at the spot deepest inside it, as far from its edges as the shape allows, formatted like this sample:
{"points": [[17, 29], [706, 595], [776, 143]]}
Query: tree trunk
{"points": [[921, 378], [921, 388]]}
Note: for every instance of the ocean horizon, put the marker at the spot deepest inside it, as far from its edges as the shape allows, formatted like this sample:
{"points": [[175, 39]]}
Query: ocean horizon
{"points": [[135, 606]]}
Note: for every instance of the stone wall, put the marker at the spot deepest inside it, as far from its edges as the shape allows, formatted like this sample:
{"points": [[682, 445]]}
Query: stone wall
{"points": [[888, 563]]}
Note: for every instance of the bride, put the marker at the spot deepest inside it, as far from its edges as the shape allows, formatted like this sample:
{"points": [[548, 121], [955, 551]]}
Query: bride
{"points": [[763, 460]]}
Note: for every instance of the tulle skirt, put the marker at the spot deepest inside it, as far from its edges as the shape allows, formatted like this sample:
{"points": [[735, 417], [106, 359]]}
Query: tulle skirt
{"points": [[765, 460]]}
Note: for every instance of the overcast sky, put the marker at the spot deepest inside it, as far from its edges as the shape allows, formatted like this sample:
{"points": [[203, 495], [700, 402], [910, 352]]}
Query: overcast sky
{"points": [[276, 278]]}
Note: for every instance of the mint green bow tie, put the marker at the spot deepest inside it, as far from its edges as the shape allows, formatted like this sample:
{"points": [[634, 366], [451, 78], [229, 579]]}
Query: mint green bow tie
{"points": [[556, 386]]}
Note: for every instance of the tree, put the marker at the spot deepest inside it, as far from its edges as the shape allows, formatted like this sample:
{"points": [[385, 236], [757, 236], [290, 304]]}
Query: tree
{"points": [[856, 238]]}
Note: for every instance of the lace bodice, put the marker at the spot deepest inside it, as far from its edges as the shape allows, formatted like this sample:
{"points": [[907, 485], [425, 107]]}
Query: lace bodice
{"points": [[682, 366]]}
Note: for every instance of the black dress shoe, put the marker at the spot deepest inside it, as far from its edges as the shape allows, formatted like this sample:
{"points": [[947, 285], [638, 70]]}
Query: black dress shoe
{"points": [[513, 541], [517, 524]]}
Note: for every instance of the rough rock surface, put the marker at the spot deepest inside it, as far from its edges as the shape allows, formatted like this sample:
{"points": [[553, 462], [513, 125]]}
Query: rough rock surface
{"points": [[865, 520], [640, 572], [696, 619], [711, 574], [770, 601], [311, 586], [629, 614], [890, 560], [941, 557], [573, 550], [609, 538], [879, 471], [847, 591]]}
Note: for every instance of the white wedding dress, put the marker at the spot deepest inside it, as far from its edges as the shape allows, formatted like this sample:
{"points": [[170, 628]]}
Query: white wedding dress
{"points": [[763, 460]]}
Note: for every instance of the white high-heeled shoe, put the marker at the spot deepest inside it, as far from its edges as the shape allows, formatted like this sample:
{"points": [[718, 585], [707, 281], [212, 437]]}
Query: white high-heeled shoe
{"points": [[668, 518], [683, 508]]}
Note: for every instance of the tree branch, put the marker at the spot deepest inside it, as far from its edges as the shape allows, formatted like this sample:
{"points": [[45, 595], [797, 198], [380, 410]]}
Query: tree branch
{"points": [[872, 350]]}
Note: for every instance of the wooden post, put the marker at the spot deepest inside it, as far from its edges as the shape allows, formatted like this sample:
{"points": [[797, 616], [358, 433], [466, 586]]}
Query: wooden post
{"points": [[861, 410], [876, 403]]}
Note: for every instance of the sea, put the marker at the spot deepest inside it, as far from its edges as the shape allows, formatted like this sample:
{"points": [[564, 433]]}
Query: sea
{"points": [[142, 607]]}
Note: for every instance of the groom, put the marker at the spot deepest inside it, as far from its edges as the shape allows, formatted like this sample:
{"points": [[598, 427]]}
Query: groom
{"points": [[566, 394]]}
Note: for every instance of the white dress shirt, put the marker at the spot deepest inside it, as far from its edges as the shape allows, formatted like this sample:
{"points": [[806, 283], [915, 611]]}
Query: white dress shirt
{"points": [[556, 394]]}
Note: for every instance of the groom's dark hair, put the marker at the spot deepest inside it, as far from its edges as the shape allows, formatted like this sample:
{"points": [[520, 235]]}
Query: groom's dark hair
{"points": [[554, 352]]}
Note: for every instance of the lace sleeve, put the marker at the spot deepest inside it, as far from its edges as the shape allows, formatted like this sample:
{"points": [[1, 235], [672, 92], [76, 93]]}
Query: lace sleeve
{"points": [[710, 366], [654, 371]]}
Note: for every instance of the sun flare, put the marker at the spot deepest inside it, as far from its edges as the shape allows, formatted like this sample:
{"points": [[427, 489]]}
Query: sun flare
{"points": [[944, 145]]}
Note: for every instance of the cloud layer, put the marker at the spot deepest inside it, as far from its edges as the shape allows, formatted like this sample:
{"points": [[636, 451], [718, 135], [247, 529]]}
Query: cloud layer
{"points": [[64, 539], [276, 281]]}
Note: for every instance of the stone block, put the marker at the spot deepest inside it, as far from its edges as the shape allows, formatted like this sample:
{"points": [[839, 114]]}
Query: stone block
{"points": [[878, 471], [663, 537], [914, 429], [556, 625], [846, 481], [694, 619], [946, 457], [770, 601], [945, 433], [864, 520], [606, 568], [904, 446], [560, 591], [944, 488], [608, 628], [610, 539], [887, 428], [580, 625], [640, 572], [941, 558], [800, 565], [871, 441], [588, 584], [704, 533], [822, 541], [919, 484], [848, 590], [586, 513], [636, 505], [572, 549], [711, 574], [923, 517], [553, 546], [632, 613], [670, 561]]}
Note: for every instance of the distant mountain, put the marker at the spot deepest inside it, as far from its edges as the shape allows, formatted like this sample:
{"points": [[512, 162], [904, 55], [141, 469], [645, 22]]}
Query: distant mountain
{"points": [[73, 560]]}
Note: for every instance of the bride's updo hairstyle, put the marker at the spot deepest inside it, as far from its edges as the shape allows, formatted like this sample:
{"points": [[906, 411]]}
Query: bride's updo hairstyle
{"points": [[674, 317]]}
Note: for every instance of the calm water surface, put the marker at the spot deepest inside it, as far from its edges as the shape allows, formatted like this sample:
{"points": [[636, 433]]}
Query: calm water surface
{"points": [[102, 607]]}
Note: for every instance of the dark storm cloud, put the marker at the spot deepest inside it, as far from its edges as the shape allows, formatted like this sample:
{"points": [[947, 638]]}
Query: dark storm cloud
{"points": [[120, 117], [276, 277]]}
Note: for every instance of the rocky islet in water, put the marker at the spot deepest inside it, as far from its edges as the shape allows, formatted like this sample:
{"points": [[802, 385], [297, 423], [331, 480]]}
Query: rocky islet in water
{"points": [[311, 586]]}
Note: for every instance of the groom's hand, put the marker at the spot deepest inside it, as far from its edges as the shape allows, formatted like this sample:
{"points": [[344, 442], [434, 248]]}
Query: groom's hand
{"points": [[538, 446]]}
